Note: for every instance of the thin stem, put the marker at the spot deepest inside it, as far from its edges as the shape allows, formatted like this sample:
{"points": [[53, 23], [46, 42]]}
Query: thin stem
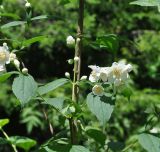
{"points": [[77, 70], [131, 145], [7, 137]]}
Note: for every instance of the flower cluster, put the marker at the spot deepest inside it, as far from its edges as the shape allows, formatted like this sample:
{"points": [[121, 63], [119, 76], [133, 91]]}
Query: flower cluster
{"points": [[117, 75], [6, 57]]}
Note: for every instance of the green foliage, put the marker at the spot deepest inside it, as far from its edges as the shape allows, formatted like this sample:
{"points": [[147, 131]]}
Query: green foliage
{"points": [[22, 142], [32, 118], [52, 86], [24, 88], [149, 142], [96, 134], [57, 103], [5, 76], [3, 122], [101, 107], [147, 3]]}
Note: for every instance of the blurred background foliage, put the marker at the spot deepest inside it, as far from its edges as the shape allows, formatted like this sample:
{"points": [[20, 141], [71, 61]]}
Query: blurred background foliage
{"points": [[138, 31]]}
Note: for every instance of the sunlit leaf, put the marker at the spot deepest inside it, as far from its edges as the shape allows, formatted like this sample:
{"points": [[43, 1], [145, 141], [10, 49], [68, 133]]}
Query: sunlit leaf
{"points": [[3, 122], [23, 142]]}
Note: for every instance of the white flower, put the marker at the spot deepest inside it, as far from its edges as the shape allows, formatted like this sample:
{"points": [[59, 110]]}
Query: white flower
{"points": [[4, 54], [17, 63], [119, 73], [98, 90], [67, 74], [70, 40], [28, 5], [104, 73], [84, 77], [12, 56], [76, 58], [25, 71], [95, 74]]}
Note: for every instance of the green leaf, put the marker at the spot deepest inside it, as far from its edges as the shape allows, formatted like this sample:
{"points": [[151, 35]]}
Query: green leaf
{"points": [[3, 141], [109, 42], [5, 76], [14, 16], [127, 92], [96, 134], [52, 86], [149, 142], [22, 142], [102, 107], [39, 17], [33, 40], [77, 148], [55, 102], [146, 2], [24, 87], [14, 23], [116, 146], [3, 122]]}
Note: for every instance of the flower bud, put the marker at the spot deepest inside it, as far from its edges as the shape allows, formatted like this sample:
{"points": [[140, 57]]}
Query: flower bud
{"points": [[98, 90], [78, 40], [76, 59], [70, 40], [72, 109], [28, 5], [17, 63], [84, 77], [12, 56], [25, 71], [70, 61], [67, 74]]}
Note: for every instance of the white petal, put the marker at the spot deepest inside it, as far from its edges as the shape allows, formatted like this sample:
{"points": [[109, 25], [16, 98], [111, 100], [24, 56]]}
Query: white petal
{"points": [[2, 68], [94, 68], [124, 76], [117, 82]]}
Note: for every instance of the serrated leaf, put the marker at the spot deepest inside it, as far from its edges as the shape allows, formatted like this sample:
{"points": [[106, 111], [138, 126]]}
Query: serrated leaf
{"points": [[33, 40], [24, 87], [96, 134], [14, 23], [102, 107], [3, 122], [52, 86], [5, 76], [55, 102], [22, 142], [149, 142]]}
